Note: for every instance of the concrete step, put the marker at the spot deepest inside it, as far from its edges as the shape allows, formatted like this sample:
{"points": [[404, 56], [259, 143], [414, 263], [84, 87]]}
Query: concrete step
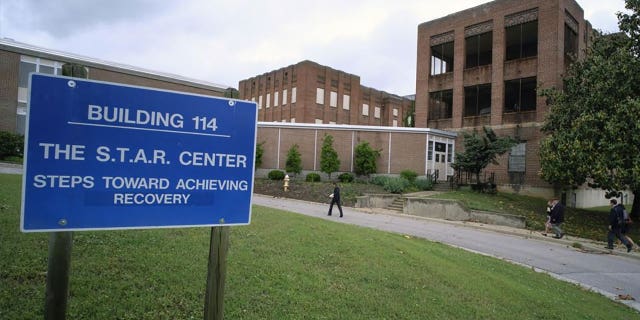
{"points": [[397, 205]]}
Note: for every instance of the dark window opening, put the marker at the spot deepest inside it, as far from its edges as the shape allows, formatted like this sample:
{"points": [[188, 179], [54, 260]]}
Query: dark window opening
{"points": [[520, 95], [440, 105], [570, 43], [442, 58], [477, 100], [478, 50], [522, 40]]}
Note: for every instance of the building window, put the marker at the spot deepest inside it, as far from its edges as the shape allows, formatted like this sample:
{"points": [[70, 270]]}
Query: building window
{"points": [[318, 121], [440, 105], [570, 43], [395, 112], [346, 101], [284, 97], [478, 49], [520, 95], [260, 102], [442, 58], [522, 40], [477, 100], [395, 123], [376, 112], [320, 96], [449, 152], [333, 99], [430, 151], [365, 109], [293, 94], [517, 157], [275, 99], [268, 100]]}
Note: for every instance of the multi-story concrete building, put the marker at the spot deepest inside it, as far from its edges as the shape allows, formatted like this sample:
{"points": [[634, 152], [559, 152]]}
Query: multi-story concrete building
{"points": [[307, 92], [482, 66], [17, 60]]}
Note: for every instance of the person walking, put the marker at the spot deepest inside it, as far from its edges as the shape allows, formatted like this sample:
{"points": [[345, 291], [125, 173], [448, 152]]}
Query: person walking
{"points": [[335, 199], [557, 218], [547, 224], [616, 223]]}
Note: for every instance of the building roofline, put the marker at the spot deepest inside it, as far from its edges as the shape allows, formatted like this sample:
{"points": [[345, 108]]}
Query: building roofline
{"points": [[343, 127], [27, 49]]}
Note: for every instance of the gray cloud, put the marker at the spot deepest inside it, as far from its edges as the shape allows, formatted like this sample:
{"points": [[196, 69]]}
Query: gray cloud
{"points": [[61, 19]]}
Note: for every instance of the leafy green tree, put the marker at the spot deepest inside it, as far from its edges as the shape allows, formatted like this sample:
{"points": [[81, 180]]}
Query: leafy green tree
{"points": [[259, 153], [409, 119], [365, 159], [329, 161], [481, 150], [294, 161], [593, 123]]}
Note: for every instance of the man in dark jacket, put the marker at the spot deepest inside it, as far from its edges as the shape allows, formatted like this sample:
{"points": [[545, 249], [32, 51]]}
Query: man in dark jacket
{"points": [[335, 198], [616, 221], [557, 218]]}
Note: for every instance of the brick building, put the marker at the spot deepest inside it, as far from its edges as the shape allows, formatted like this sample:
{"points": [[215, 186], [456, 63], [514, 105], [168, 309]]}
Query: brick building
{"points": [[482, 66], [307, 92], [17, 60]]}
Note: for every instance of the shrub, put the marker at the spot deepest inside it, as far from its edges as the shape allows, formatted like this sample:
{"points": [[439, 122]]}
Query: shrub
{"points": [[329, 161], [365, 159], [379, 180], [424, 184], [396, 185], [409, 175], [259, 153], [276, 175], [345, 177], [11, 144], [312, 177], [294, 161]]}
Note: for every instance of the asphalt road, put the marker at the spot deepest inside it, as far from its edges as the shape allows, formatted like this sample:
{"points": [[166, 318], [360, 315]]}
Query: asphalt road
{"points": [[596, 269]]}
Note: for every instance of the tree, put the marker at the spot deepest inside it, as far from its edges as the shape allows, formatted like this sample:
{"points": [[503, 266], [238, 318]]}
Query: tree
{"points": [[329, 161], [481, 150], [409, 119], [259, 153], [365, 159], [294, 161], [593, 124]]}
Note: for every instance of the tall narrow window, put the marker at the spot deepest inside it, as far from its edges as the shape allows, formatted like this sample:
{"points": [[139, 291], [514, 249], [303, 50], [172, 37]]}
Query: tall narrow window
{"points": [[478, 49], [346, 102], [268, 102], [477, 100], [517, 158], [520, 95], [284, 97], [430, 150], [442, 58], [365, 109], [319, 96], [522, 40], [275, 99], [440, 105], [333, 99], [293, 94]]}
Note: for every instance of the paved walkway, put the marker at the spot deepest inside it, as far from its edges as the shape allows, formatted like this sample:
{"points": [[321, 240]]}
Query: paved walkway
{"points": [[613, 273]]}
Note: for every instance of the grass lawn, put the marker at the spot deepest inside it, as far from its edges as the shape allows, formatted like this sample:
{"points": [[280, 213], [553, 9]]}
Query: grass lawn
{"points": [[282, 266], [584, 223]]}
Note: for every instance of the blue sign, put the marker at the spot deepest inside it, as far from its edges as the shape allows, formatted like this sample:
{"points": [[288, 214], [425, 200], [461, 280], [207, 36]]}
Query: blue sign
{"points": [[109, 156]]}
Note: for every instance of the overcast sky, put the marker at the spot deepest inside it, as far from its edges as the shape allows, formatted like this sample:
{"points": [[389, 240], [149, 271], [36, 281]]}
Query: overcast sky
{"points": [[227, 41]]}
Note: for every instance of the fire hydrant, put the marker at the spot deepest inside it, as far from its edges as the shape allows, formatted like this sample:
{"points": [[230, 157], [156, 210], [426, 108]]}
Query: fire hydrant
{"points": [[286, 182]]}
